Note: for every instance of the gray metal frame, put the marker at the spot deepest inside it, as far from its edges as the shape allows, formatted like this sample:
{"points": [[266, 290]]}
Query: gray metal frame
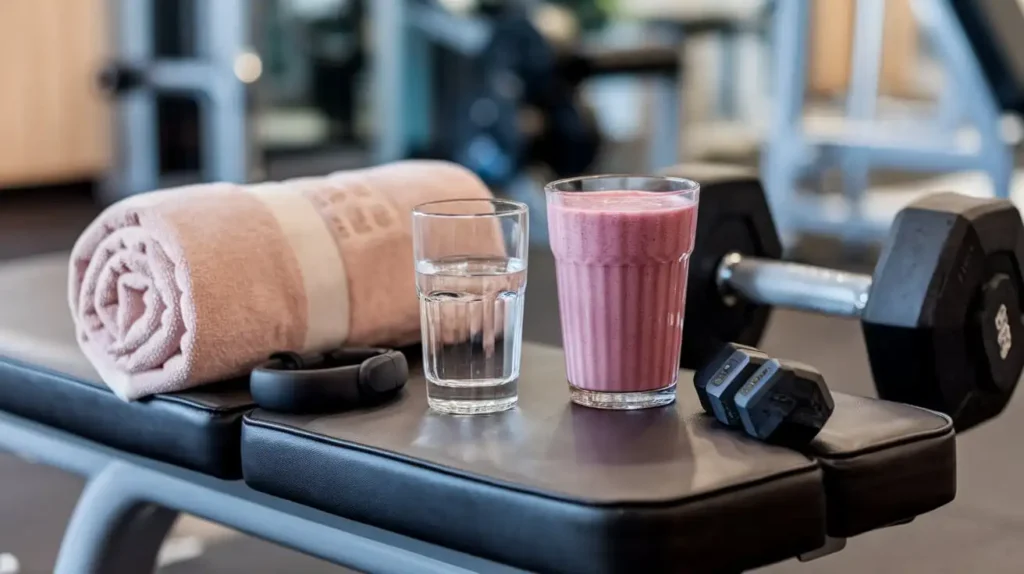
{"points": [[790, 152], [130, 502], [664, 145], [401, 68], [222, 29]]}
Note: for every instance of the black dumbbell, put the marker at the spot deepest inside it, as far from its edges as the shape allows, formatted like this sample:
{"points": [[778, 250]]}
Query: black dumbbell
{"points": [[770, 399], [785, 402], [719, 379], [940, 314]]}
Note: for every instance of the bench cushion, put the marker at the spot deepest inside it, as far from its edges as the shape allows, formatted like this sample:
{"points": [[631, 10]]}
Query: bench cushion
{"points": [[549, 486], [556, 487], [884, 463], [44, 377]]}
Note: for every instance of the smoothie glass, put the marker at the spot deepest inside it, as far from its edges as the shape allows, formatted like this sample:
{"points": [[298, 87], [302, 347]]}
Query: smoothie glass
{"points": [[622, 246]]}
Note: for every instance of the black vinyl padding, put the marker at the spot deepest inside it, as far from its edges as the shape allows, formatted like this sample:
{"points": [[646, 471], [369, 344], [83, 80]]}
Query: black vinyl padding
{"points": [[550, 486], [555, 487], [884, 463], [781, 517], [194, 430]]}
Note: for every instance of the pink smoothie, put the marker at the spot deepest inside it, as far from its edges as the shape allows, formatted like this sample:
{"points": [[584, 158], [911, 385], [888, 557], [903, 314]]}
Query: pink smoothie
{"points": [[621, 259]]}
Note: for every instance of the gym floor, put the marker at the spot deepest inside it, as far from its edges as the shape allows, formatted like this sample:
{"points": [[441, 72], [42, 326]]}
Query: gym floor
{"points": [[980, 531]]}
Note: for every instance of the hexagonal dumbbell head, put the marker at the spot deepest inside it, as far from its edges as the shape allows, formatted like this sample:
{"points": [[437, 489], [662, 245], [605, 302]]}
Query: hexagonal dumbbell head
{"points": [[784, 402], [719, 379], [943, 322]]}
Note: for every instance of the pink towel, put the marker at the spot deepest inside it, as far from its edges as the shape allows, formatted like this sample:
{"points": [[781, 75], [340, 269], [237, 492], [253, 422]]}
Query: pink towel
{"points": [[176, 288]]}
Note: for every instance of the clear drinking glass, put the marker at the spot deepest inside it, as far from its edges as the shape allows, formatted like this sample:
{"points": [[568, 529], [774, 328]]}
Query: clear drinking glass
{"points": [[622, 246], [471, 280]]}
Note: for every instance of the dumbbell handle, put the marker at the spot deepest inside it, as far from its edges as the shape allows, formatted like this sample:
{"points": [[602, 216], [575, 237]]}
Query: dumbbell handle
{"points": [[793, 285]]}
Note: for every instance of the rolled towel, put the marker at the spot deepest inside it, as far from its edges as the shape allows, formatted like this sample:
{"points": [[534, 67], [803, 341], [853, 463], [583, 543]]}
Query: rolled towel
{"points": [[176, 288]]}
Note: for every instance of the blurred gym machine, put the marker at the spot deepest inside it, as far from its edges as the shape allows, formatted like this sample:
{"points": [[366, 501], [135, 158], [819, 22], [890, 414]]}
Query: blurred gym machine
{"points": [[179, 78], [338, 57], [486, 89], [980, 44], [309, 95], [183, 85], [725, 45]]}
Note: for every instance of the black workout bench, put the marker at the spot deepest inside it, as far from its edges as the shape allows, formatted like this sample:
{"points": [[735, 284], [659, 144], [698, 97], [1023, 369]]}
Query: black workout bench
{"points": [[549, 487]]}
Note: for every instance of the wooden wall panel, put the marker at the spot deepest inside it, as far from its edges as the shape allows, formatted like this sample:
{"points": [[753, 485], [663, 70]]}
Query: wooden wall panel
{"points": [[831, 48], [54, 125]]}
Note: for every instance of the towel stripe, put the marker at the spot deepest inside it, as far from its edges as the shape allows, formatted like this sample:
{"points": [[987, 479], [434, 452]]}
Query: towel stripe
{"points": [[323, 270]]}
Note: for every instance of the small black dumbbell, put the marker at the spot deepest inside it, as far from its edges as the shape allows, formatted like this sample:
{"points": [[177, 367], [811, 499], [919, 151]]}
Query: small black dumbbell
{"points": [[719, 379], [784, 402], [774, 400]]}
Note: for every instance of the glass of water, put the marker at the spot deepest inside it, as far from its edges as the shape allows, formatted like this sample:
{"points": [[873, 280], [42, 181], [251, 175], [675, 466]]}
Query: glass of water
{"points": [[471, 280]]}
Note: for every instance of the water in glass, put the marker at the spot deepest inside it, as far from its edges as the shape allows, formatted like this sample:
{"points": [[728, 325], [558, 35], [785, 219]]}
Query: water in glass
{"points": [[471, 313]]}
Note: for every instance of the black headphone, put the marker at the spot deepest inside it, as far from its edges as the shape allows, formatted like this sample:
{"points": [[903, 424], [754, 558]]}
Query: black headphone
{"points": [[324, 382]]}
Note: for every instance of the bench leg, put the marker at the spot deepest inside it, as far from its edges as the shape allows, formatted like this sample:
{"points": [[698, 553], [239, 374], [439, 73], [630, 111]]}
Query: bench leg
{"points": [[112, 529]]}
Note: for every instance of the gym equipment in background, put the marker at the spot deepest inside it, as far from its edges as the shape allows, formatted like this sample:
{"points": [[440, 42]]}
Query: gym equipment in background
{"points": [[489, 91], [979, 44], [337, 57], [940, 314], [307, 103], [724, 45], [178, 85]]}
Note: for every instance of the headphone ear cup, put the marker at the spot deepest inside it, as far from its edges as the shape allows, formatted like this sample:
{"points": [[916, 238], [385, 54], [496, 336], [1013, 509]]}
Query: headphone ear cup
{"points": [[383, 374]]}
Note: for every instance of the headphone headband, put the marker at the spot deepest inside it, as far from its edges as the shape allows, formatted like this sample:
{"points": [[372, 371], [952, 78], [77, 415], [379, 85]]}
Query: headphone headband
{"points": [[343, 378]]}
